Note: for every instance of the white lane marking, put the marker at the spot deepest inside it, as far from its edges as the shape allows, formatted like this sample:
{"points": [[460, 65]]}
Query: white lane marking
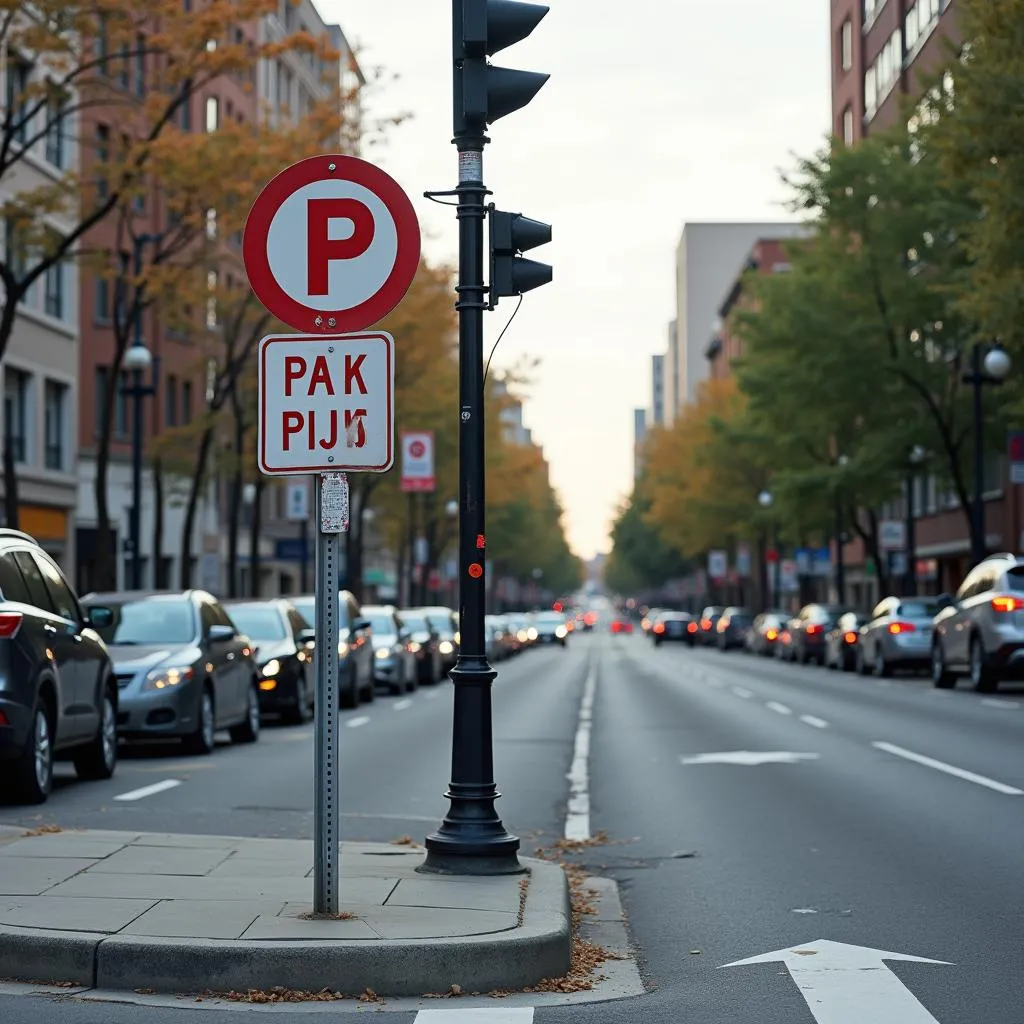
{"points": [[995, 702], [354, 723], [941, 766], [817, 723], [577, 818], [749, 758], [401, 705], [779, 709], [157, 787], [844, 984], [502, 1015], [740, 692]]}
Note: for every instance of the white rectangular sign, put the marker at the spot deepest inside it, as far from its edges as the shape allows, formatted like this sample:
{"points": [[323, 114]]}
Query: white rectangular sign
{"points": [[892, 535], [718, 565], [418, 460], [296, 500], [326, 405]]}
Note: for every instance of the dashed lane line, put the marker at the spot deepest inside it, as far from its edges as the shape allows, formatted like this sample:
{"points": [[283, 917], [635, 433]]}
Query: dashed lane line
{"points": [[779, 709], [740, 692], [355, 723], [816, 723], [577, 818], [401, 705], [157, 787]]}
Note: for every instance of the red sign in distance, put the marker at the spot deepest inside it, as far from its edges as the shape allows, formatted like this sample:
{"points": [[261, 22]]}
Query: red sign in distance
{"points": [[331, 245]]}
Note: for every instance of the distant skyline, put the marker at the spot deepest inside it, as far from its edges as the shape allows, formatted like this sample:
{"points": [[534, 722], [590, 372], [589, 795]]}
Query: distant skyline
{"points": [[656, 114]]}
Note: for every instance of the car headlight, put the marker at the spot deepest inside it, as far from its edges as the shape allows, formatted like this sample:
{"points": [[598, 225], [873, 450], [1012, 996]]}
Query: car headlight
{"points": [[531, 634], [446, 647], [414, 648], [165, 678], [382, 653], [458, 637], [561, 632], [271, 668], [342, 648], [522, 636]]}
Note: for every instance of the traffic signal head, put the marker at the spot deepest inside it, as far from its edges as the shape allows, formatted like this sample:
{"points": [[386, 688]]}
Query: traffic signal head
{"points": [[511, 235], [484, 93]]}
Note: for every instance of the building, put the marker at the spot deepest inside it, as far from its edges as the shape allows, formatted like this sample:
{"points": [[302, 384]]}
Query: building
{"points": [[510, 415], [639, 435], [707, 260], [881, 52], [40, 365], [657, 417], [671, 375]]}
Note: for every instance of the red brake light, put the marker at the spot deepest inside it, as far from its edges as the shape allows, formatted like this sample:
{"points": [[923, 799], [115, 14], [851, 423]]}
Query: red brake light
{"points": [[692, 627], [659, 627], [772, 634], [705, 623], [814, 629], [903, 627], [850, 638], [10, 623], [1007, 604]]}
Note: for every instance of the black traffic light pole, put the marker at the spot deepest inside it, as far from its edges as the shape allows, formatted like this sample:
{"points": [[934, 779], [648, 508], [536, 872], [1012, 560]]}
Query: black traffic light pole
{"points": [[472, 838]]}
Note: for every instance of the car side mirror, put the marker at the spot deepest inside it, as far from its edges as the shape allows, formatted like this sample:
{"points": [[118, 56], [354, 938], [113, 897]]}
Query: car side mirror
{"points": [[99, 618], [944, 601], [361, 624], [305, 636], [221, 634]]}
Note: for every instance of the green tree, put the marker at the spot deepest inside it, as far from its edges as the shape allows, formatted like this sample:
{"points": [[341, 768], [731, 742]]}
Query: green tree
{"points": [[640, 559]]}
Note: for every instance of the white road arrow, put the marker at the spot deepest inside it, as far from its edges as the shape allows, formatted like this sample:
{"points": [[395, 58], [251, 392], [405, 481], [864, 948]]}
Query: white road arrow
{"points": [[749, 757], [845, 984]]}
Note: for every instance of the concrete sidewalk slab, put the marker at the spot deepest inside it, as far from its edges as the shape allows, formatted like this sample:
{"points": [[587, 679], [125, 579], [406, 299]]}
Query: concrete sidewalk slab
{"points": [[122, 911]]}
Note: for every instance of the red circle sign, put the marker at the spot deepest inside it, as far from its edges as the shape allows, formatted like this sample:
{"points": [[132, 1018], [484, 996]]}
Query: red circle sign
{"points": [[331, 245], [417, 449]]}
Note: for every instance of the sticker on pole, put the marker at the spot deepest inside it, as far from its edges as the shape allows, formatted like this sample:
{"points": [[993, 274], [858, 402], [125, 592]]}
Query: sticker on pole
{"points": [[331, 245], [326, 405], [418, 460]]}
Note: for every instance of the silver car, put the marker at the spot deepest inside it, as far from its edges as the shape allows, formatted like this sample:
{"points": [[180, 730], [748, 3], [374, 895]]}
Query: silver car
{"points": [[394, 664], [898, 634], [980, 632]]}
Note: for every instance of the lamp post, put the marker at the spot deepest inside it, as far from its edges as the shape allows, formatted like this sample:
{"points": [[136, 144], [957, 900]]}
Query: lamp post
{"points": [[915, 458], [841, 462], [989, 365], [766, 499]]}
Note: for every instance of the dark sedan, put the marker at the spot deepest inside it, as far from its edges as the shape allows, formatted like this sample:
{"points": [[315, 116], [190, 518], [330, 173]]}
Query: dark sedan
{"points": [[424, 642], [183, 670], [808, 630], [445, 621], [708, 632], [842, 642], [283, 649], [766, 632], [732, 628], [674, 626]]}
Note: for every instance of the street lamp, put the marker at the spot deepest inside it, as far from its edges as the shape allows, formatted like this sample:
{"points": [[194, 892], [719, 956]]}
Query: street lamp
{"points": [[990, 364], [915, 457], [766, 499], [841, 462]]}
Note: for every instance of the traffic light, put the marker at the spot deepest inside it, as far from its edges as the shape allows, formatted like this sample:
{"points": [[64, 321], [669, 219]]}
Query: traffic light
{"points": [[511, 273], [483, 93]]}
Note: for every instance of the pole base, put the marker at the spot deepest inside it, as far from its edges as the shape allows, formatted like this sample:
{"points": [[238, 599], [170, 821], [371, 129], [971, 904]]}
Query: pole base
{"points": [[467, 849]]}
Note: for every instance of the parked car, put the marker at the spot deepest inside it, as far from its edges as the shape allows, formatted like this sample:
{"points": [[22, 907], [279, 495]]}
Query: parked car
{"points": [[649, 619], [282, 646], [732, 628], [709, 623], [620, 625], [424, 645], [784, 649], [980, 632], [808, 629], [446, 623], [355, 653], [764, 634], [183, 669], [898, 634], [58, 694], [842, 642], [394, 664], [496, 636], [551, 628], [676, 627]]}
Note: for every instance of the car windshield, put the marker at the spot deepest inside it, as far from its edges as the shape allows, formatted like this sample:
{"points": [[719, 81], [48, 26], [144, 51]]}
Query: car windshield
{"points": [[415, 623], [1015, 578], [260, 622], [550, 619], [919, 609], [151, 621], [381, 623], [443, 626], [306, 608]]}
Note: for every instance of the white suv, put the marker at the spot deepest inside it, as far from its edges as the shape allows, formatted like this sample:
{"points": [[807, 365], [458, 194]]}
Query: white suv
{"points": [[981, 632]]}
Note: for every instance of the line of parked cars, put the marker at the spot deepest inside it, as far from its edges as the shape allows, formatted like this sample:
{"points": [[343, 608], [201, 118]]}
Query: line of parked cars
{"points": [[978, 632]]}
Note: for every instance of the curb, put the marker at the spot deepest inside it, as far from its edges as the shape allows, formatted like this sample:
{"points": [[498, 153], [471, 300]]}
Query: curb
{"points": [[520, 957]]}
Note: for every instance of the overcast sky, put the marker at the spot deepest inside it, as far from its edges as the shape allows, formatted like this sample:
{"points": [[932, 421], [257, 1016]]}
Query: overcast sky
{"points": [[657, 112]]}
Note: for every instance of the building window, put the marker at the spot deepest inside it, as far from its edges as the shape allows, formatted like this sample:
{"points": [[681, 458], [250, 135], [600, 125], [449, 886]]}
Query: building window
{"points": [[186, 401], [53, 291], [16, 256], [212, 113], [846, 45], [871, 9], [211, 301], [55, 134], [140, 65], [171, 401], [16, 413], [185, 113], [55, 412], [884, 73], [211, 224], [123, 67], [848, 126], [102, 159], [101, 301], [18, 73]]}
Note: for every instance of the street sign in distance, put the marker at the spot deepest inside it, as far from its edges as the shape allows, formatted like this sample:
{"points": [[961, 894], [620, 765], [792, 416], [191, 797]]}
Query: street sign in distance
{"points": [[718, 565], [331, 245], [326, 405], [418, 460], [892, 535], [297, 501]]}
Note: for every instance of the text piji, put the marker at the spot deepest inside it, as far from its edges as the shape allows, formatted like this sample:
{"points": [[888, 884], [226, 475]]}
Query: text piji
{"points": [[304, 427]]}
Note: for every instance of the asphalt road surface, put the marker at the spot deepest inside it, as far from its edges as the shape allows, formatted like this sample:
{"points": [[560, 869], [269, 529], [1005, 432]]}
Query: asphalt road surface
{"points": [[749, 808]]}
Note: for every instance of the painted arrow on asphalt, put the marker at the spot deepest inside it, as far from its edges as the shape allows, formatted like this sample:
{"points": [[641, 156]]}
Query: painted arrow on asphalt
{"points": [[845, 984], [749, 757]]}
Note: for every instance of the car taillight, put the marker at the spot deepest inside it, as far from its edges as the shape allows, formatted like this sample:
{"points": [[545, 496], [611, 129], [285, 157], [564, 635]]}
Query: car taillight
{"points": [[692, 627], [850, 638], [723, 625], [10, 623], [902, 627], [772, 634], [705, 624], [659, 627], [815, 630], [1007, 604]]}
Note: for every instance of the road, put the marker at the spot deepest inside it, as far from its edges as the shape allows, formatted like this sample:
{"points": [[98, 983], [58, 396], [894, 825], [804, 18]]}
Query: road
{"points": [[869, 813]]}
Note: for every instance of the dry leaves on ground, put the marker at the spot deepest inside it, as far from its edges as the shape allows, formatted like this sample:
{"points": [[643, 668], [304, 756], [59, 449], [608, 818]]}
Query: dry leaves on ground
{"points": [[278, 994], [42, 830], [406, 841]]}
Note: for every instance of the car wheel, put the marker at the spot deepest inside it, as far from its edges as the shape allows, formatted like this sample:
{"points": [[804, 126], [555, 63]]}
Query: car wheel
{"points": [[203, 739], [33, 774], [861, 665], [300, 714], [411, 680], [248, 730], [833, 664], [982, 676], [942, 678], [98, 758], [882, 669]]}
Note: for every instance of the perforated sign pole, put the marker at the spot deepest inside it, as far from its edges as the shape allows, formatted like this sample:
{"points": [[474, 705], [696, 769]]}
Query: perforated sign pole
{"points": [[332, 522]]}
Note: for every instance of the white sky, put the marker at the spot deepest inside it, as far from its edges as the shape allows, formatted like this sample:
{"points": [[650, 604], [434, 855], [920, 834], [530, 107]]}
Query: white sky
{"points": [[657, 112]]}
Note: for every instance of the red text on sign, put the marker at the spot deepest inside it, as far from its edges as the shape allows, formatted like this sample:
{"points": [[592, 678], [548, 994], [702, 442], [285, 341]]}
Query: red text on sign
{"points": [[302, 427], [296, 369], [322, 250]]}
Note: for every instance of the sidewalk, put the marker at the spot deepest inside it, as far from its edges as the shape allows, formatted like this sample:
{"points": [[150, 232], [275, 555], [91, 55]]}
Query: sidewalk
{"points": [[173, 913]]}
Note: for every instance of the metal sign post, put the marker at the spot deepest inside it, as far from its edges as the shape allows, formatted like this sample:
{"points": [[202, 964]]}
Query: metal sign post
{"points": [[332, 522]]}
